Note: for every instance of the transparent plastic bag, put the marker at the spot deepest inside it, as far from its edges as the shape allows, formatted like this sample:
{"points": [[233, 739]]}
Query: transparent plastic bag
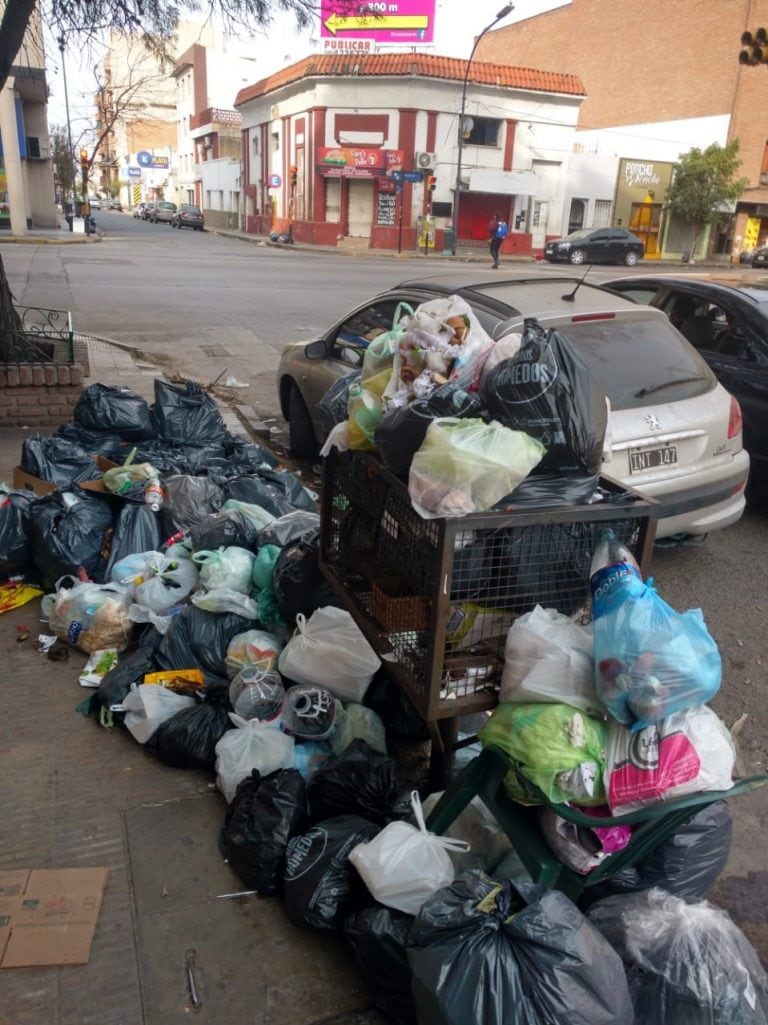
{"points": [[404, 865], [466, 466], [148, 705], [548, 657], [228, 568], [357, 722], [89, 616], [253, 648], [166, 582], [252, 745], [257, 693], [224, 599]]}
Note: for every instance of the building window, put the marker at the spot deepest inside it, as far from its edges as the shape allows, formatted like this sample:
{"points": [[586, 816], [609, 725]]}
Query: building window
{"points": [[275, 141], [602, 216], [483, 131], [255, 145]]}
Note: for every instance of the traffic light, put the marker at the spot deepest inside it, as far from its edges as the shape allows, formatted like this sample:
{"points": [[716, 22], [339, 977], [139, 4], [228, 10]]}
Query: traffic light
{"points": [[431, 183], [756, 44], [294, 175], [84, 160]]}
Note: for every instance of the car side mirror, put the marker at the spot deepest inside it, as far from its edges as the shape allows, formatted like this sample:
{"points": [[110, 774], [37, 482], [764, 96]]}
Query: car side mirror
{"points": [[315, 350]]}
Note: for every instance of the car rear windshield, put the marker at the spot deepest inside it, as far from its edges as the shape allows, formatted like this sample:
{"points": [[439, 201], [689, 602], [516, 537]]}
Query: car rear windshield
{"points": [[640, 363], [185, 209], [166, 206]]}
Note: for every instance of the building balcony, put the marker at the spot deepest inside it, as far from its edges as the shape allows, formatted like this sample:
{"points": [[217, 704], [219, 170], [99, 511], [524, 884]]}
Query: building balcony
{"points": [[212, 117]]}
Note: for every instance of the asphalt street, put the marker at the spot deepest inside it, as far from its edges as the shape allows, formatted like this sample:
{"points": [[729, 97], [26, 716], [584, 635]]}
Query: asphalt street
{"points": [[211, 307]]}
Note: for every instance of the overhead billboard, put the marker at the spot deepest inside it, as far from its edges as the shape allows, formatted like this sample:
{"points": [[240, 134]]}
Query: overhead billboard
{"points": [[392, 22]]}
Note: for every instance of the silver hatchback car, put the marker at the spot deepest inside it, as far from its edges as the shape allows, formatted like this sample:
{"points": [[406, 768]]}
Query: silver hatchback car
{"points": [[675, 432]]}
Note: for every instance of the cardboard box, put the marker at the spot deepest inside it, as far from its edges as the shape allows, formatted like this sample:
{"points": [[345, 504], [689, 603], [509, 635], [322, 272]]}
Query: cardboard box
{"points": [[22, 479], [48, 916]]}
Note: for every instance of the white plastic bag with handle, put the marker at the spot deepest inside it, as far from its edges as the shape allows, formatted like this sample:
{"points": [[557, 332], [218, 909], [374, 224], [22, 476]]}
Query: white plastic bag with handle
{"points": [[329, 650], [253, 745], [404, 865], [149, 705]]}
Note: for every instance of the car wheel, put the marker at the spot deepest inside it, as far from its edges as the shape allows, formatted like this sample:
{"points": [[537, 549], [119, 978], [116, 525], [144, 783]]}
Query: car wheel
{"points": [[630, 259], [301, 433], [577, 256]]}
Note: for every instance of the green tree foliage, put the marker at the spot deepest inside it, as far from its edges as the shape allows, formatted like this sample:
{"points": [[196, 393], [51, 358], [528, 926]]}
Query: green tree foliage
{"points": [[704, 186]]}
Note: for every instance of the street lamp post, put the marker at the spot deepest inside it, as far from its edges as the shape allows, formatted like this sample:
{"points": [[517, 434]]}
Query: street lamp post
{"points": [[71, 168], [507, 9]]}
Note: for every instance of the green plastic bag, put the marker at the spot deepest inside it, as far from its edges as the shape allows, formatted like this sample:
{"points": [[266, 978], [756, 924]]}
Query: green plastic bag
{"points": [[559, 749], [358, 722]]}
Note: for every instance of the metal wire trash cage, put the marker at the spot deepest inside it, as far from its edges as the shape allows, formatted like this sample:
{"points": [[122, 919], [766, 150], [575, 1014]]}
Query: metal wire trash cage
{"points": [[436, 597]]}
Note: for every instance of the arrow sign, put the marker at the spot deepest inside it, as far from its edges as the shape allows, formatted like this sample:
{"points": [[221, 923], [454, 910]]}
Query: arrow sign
{"points": [[407, 176], [385, 22]]}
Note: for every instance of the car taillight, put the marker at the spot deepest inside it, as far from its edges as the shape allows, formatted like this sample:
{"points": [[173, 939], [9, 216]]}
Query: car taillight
{"points": [[734, 419]]}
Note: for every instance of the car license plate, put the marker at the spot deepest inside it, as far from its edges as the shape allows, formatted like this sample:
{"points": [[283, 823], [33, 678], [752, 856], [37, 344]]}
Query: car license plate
{"points": [[650, 458], [761, 259]]}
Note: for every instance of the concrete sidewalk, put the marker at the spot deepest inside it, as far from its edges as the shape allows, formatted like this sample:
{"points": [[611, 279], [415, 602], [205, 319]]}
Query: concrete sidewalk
{"points": [[77, 795]]}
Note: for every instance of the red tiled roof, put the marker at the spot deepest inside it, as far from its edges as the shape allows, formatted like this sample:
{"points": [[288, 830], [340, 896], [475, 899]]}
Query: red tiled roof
{"points": [[413, 65]]}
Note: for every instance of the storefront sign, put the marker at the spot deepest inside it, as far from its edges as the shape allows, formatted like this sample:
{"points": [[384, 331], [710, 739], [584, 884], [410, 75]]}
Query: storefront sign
{"points": [[162, 162], [275, 181], [638, 173], [383, 21], [356, 162], [134, 172], [348, 46]]}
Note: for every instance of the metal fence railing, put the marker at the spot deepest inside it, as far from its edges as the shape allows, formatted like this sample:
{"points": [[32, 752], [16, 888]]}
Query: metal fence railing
{"points": [[46, 336]]}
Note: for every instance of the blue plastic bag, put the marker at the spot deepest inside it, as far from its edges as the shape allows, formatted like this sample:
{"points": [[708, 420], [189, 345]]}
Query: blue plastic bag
{"points": [[650, 660]]}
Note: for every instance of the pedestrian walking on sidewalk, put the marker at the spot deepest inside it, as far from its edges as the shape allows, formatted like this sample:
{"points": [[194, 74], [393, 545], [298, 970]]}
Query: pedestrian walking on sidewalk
{"points": [[497, 232]]}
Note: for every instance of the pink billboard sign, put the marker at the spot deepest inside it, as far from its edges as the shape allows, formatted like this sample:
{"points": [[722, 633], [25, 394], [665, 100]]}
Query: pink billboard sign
{"points": [[384, 21]]}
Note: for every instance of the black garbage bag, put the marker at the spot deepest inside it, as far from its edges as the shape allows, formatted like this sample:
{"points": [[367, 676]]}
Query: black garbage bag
{"points": [[112, 409], [69, 529], [111, 446], [137, 529], [185, 412], [277, 491], [548, 391], [551, 489], [58, 460], [394, 708], [14, 528], [188, 500], [531, 956], [360, 781], [378, 938], [321, 886], [401, 433], [224, 529], [687, 864], [290, 527], [246, 456], [197, 638], [130, 669], [299, 584], [333, 406], [188, 739], [265, 813], [686, 964]]}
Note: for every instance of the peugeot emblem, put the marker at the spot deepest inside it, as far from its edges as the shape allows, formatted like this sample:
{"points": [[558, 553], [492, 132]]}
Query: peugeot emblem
{"points": [[653, 422]]}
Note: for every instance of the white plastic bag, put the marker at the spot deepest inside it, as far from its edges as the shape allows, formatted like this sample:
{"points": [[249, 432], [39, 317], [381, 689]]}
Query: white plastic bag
{"points": [[548, 657], [166, 582], [225, 599], [404, 865], [128, 570], [148, 705], [685, 753], [253, 745], [329, 650], [228, 568], [141, 614]]}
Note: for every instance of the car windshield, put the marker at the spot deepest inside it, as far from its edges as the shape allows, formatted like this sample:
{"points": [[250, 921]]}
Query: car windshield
{"points": [[640, 363], [584, 233]]}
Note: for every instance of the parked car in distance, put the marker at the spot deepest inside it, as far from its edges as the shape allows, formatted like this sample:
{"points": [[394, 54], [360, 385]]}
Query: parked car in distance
{"points": [[138, 210], [596, 245], [675, 432], [188, 216], [115, 204], [726, 320], [95, 203], [147, 211], [162, 211], [760, 257]]}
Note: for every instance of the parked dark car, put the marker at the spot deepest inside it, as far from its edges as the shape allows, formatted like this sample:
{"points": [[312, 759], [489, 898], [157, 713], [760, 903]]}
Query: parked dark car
{"points": [[760, 257], [162, 212], [596, 245], [727, 321], [188, 216], [675, 431]]}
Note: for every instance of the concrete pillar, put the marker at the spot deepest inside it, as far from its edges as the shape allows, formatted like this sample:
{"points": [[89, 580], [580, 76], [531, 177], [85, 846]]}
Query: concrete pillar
{"points": [[13, 171]]}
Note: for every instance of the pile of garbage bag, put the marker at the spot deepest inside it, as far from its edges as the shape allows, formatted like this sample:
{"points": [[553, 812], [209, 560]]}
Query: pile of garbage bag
{"points": [[471, 423]]}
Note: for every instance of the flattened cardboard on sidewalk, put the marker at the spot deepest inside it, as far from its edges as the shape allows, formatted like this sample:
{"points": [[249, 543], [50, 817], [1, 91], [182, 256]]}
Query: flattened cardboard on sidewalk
{"points": [[48, 916], [22, 479]]}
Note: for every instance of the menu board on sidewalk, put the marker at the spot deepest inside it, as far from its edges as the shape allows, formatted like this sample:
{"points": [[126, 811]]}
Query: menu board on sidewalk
{"points": [[386, 209]]}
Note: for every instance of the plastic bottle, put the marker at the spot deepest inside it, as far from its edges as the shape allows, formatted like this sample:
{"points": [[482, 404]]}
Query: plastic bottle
{"points": [[612, 564], [153, 495]]}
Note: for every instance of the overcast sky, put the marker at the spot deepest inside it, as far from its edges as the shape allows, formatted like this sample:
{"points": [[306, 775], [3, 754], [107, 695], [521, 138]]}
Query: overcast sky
{"points": [[456, 25]]}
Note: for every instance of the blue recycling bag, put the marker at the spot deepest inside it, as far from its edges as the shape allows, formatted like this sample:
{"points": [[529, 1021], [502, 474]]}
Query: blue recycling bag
{"points": [[650, 660]]}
